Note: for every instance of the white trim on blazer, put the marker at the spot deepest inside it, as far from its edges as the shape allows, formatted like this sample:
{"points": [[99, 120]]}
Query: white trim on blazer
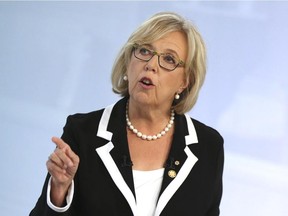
{"points": [[104, 153]]}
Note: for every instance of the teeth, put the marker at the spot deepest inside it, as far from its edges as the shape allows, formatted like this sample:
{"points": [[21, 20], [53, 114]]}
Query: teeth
{"points": [[146, 81]]}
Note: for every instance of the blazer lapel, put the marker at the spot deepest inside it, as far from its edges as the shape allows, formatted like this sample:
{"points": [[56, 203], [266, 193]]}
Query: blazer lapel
{"points": [[115, 156], [180, 162], [111, 154]]}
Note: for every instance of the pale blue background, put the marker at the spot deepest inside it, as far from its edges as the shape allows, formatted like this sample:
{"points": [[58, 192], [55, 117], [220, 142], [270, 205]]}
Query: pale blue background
{"points": [[56, 58]]}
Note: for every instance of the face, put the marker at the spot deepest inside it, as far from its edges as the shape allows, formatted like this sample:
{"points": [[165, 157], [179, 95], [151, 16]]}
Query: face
{"points": [[150, 84]]}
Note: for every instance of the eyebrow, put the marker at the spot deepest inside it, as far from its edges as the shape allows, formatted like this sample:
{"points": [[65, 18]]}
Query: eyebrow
{"points": [[167, 51]]}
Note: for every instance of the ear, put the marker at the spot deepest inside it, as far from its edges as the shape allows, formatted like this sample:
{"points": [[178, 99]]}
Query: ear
{"points": [[184, 85]]}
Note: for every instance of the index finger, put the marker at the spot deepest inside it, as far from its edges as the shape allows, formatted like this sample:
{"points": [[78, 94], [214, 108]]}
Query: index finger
{"points": [[59, 142]]}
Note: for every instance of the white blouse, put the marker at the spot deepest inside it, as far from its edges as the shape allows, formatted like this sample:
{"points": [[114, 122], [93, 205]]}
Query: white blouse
{"points": [[147, 187]]}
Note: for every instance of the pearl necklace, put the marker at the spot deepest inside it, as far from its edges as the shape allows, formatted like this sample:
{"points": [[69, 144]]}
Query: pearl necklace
{"points": [[150, 137]]}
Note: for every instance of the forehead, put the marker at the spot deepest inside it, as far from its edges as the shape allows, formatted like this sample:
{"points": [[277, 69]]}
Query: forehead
{"points": [[173, 41]]}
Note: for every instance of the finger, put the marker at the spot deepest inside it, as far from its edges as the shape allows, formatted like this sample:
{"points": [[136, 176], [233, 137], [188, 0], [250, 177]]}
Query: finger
{"points": [[54, 169], [55, 159], [64, 157], [65, 147], [74, 157], [62, 145], [59, 142]]}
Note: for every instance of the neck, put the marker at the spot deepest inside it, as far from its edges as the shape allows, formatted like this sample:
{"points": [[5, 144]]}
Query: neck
{"points": [[148, 113], [148, 124]]}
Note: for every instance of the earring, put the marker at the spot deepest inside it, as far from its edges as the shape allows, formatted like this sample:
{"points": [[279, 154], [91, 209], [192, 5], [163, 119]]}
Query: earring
{"points": [[177, 96], [125, 78]]}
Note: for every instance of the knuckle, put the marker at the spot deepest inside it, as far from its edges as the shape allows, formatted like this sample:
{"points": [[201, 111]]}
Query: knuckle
{"points": [[49, 168]]}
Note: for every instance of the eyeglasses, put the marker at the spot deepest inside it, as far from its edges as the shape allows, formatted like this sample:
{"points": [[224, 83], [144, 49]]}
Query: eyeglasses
{"points": [[165, 60]]}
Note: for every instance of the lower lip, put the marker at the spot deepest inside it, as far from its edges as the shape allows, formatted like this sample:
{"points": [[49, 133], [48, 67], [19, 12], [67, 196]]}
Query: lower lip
{"points": [[146, 86]]}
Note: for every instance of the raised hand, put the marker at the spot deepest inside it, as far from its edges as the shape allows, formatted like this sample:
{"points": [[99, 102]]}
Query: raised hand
{"points": [[62, 166]]}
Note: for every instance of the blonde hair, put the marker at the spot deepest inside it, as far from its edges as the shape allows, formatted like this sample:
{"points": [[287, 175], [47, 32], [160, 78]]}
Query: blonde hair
{"points": [[153, 29]]}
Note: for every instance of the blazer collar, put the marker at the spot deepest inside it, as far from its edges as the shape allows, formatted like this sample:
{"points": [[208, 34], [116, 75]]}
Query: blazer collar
{"points": [[112, 127], [180, 160]]}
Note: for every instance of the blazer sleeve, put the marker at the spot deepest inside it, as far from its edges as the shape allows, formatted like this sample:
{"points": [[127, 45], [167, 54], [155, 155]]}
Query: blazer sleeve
{"points": [[218, 188], [41, 208]]}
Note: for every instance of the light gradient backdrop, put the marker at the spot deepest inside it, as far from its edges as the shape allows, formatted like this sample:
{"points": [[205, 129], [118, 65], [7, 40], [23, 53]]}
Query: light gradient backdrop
{"points": [[56, 59]]}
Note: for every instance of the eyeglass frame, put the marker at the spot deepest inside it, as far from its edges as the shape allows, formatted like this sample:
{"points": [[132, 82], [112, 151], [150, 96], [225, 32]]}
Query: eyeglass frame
{"points": [[180, 63]]}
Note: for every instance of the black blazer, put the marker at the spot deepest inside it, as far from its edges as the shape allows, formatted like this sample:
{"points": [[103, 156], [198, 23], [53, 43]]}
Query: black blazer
{"points": [[103, 184]]}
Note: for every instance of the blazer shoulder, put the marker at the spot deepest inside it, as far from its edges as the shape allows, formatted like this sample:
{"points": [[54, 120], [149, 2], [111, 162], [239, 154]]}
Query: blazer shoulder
{"points": [[207, 133], [95, 116], [84, 120], [86, 116]]}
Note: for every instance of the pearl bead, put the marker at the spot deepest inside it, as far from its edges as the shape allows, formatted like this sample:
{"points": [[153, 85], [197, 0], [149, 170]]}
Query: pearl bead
{"points": [[150, 137]]}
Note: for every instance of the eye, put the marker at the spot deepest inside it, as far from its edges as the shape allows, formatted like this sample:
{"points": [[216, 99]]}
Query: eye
{"points": [[144, 51], [170, 59]]}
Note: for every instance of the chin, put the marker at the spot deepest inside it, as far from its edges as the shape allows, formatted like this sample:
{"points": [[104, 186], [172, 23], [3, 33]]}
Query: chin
{"points": [[143, 98]]}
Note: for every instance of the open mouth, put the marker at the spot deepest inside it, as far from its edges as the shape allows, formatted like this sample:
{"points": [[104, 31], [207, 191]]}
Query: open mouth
{"points": [[146, 81]]}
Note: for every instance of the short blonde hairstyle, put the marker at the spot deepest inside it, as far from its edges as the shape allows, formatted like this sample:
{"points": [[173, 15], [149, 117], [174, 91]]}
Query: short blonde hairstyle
{"points": [[153, 29]]}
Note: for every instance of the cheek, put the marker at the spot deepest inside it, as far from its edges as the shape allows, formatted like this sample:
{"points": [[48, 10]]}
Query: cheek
{"points": [[132, 71], [173, 82]]}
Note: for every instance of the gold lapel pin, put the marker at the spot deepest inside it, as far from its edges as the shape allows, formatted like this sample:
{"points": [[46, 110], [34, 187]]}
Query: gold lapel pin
{"points": [[172, 173]]}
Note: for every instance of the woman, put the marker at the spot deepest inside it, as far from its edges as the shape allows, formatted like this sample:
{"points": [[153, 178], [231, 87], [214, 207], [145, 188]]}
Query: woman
{"points": [[142, 155]]}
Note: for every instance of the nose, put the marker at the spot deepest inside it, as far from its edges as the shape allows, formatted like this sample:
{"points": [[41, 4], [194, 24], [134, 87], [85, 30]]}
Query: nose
{"points": [[152, 64]]}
